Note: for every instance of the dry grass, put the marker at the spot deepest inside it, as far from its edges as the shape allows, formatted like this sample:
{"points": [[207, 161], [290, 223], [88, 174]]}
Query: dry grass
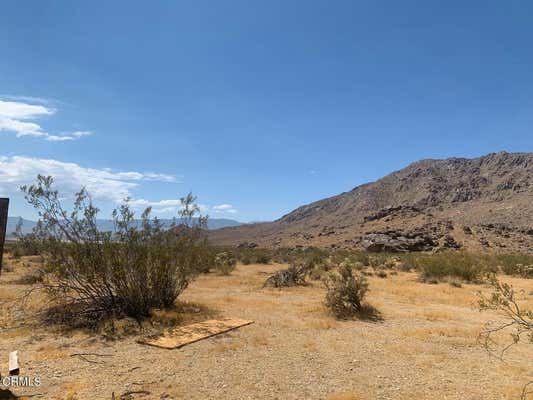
{"points": [[49, 352], [425, 345], [431, 333], [344, 396], [437, 315]]}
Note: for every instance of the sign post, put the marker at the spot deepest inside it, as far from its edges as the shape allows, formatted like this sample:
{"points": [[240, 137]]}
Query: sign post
{"points": [[4, 205]]}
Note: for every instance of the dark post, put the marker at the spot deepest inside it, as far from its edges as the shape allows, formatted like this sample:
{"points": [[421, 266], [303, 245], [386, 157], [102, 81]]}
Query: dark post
{"points": [[4, 205]]}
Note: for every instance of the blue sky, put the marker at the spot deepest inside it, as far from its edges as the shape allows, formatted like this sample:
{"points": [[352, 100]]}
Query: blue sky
{"points": [[255, 106]]}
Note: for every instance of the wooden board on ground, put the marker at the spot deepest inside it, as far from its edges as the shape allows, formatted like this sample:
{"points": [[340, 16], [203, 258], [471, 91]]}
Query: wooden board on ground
{"points": [[180, 336]]}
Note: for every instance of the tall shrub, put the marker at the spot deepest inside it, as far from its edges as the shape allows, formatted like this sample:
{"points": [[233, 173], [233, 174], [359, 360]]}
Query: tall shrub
{"points": [[138, 267]]}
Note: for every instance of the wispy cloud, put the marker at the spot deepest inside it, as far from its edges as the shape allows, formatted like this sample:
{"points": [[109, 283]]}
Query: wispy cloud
{"points": [[28, 99], [224, 208], [19, 117], [102, 184]]}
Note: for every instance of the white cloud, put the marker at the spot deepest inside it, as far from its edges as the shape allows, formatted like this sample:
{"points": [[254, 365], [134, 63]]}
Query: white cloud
{"points": [[18, 117], [169, 206], [102, 184], [70, 177], [224, 208]]}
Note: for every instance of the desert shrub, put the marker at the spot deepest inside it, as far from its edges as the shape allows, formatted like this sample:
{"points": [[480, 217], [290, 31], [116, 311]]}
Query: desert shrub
{"points": [[25, 245], [407, 262], [392, 263], [317, 272], [440, 266], [253, 256], [525, 271], [345, 293], [360, 257], [224, 263], [245, 259], [127, 272], [30, 279], [289, 255], [381, 274], [263, 258], [374, 261], [516, 321], [511, 263], [293, 276]]}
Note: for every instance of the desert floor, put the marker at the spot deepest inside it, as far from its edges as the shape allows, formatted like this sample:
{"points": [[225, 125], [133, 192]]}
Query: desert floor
{"points": [[425, 347]]}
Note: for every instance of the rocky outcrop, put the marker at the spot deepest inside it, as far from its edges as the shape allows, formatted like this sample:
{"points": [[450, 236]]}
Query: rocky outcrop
{"points": [[392, 211], [397, 242]]}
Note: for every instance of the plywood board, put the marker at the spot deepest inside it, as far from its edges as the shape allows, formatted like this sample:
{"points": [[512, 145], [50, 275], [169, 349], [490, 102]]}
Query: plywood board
{"points": [[181, 336]]}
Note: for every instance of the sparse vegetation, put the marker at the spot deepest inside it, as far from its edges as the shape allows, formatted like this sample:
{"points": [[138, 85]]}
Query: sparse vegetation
{"points": [[381, 273], [445, 265], [517, 320], [345, 294], [224, 263], [253, 256], [512, 263], [292, 276], [127, 272]]}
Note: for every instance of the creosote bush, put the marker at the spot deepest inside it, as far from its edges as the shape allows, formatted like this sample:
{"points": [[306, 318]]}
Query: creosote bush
{"points": [[445, 265], [224, 263], [130, 271], [516, 322], [345, 294]]}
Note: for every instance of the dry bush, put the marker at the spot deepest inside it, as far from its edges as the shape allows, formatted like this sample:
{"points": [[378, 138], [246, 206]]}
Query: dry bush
{"points": [[31, 278], [445, 265], [290, 255], [381, 273], [225, 263], [513, 263], [253, 256], [126, 272], [516, 320], [345, 294], [317, 272], [293, 276], [525, 271]]}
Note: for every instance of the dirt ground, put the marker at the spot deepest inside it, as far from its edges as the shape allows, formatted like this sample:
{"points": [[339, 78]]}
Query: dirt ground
{"points": [[425, 347]]}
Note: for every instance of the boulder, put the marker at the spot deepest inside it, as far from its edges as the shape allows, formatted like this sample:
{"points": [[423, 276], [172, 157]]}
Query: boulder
{"points": [[390, 242]]}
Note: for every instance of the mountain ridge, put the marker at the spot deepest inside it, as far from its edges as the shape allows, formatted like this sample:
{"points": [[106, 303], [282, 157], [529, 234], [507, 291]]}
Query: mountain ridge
{"points": [[488, 197], [107, 224]]}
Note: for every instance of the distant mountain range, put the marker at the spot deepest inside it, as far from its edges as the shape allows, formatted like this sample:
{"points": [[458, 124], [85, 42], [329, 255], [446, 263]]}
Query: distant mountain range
{"points": [[107, 225], [483, 203]]}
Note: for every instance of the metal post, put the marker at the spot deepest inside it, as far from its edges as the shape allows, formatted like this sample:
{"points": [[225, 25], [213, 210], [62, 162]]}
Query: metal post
{"points": [[4, 205]]}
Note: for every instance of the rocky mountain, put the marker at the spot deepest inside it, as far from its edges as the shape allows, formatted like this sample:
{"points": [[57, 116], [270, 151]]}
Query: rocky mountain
{"points": [[484, 203]]}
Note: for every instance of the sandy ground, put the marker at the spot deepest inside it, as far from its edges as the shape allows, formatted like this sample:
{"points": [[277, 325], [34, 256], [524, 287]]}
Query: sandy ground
{"points": [[425, 348]]}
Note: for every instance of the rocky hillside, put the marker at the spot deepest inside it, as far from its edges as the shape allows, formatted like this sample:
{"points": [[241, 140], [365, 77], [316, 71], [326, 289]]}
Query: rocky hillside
{"points": [[480, 204]]}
